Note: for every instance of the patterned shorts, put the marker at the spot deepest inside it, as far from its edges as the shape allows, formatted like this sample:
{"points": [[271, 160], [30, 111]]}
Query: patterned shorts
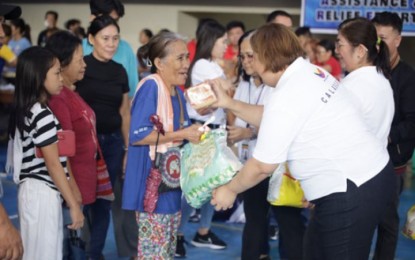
{"points": [[157, 235]]}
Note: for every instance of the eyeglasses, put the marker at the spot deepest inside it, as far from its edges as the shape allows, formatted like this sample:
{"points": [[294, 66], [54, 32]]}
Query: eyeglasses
{"points": [[248, 56]]}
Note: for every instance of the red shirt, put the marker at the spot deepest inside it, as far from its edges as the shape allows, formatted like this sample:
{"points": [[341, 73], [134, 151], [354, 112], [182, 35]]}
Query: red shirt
{"points": [[191, 47], [74, 114], [230, 54], [336, 69]]}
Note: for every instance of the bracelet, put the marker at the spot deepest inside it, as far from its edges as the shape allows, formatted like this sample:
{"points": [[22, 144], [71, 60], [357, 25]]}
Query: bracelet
{"points": [[125, 148]]}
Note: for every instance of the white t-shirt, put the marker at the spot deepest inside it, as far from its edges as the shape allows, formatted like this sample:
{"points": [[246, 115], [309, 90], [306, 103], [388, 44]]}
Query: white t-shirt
{"points": [[248, 92], [373, 96], [311, 123], [203, 70]]}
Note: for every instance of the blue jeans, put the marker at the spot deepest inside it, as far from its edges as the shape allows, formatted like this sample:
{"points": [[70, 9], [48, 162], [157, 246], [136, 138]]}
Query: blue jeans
{"points": [[206, 214], [342, 224], [98, 213]]}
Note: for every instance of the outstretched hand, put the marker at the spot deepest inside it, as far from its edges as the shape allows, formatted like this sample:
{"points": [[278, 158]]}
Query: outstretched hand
{"points": [[221, 88]]}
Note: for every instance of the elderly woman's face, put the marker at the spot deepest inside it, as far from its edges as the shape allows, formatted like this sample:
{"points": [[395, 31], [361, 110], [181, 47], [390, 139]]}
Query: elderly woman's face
{"points": [[176, 64], [75, 70]]}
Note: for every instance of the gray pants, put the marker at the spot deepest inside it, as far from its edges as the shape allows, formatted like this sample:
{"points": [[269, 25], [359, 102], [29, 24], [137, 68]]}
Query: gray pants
{"points": [[125, 225]]}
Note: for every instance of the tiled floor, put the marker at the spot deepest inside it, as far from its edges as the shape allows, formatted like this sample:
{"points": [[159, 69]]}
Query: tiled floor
{"points": [[231, 233]]}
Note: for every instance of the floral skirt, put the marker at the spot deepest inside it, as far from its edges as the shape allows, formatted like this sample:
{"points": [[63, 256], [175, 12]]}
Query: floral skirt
{"points": [[157, 235]]}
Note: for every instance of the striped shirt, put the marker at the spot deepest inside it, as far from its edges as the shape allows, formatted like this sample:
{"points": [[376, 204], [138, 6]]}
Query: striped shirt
{"points": [[40, 130]]}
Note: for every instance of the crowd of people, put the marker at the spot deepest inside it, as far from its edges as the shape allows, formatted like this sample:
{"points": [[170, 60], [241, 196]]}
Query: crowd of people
{"points": [[339, 113]]}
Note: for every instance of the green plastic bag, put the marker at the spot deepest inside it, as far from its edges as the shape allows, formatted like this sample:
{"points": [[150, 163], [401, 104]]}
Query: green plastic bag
{"points": [[206, 166]]}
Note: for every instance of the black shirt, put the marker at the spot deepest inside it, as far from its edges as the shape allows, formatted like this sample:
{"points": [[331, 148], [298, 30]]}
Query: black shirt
{"points": [[402, 134], [103, 87]]}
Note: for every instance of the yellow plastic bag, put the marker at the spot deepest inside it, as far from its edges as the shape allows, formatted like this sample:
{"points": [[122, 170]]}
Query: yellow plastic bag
{"points": [[284, 190], [409, 228]]}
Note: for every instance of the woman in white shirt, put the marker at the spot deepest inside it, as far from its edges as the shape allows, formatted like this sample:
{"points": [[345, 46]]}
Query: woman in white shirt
{"points": [[256, 207], [311, 123], [210, 48], [366, 59]]}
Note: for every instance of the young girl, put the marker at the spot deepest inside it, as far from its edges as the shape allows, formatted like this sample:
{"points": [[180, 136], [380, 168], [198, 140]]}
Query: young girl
{"points": [[42, 181]]}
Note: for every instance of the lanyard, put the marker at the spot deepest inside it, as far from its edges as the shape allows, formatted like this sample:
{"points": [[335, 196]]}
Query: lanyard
{"points": [[249, 97], [259, 96]]}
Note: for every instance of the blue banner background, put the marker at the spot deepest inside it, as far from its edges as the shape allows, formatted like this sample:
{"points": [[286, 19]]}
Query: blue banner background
{"points": [[322, 17]]}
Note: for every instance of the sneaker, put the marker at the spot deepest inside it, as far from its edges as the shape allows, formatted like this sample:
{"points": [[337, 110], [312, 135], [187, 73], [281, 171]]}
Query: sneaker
{"points": [[209, 240], [273, 233], [180, 249]]}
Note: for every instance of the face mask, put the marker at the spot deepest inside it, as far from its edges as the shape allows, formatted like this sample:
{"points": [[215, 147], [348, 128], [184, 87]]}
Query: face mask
{"points": [[46, 23]]}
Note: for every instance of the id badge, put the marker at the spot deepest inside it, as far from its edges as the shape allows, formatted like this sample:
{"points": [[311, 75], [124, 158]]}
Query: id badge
{"points": [[244, 152]]}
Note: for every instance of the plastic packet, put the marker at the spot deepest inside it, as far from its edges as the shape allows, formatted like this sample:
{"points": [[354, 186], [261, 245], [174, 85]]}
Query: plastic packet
{"points": [[206, 166], [200, 96]]}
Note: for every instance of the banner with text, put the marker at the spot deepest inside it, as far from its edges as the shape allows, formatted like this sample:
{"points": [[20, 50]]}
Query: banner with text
{"points": [[323, 16]]}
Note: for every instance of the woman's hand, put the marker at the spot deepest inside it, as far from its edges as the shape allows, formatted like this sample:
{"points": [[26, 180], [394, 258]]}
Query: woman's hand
{"points": [[221, 88], [223, 198], [236, 134], [192, 133], [77, 218]]}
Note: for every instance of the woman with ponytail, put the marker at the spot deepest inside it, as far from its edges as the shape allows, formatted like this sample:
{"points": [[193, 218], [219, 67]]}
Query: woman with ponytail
{"points": [[366, 58]]}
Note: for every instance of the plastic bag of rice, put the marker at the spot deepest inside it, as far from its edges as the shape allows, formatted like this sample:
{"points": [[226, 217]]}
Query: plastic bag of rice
{"points": [[206, 166]]}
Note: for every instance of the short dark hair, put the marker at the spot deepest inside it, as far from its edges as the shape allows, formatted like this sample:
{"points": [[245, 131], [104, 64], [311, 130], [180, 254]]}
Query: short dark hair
{"points": [[235, 24], [100, 23], [54, 13], [23, 27], [71, 22], [327, 45], [277, 46], [276, 13], [388, 19], [63, 44], [147, 32], [105, 7], [303, 31]]}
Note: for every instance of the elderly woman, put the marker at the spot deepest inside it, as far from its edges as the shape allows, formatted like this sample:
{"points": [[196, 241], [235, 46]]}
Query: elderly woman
{"points": [[158, 94], [310, 122]]}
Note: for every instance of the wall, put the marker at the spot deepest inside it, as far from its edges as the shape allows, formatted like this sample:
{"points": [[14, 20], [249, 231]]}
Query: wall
{"points": [[180, 18]]}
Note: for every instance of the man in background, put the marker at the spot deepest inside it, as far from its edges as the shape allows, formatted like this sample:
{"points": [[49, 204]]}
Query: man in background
{"points": [[402, 134], [280, 17], [51, 19], [234, 30]]}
